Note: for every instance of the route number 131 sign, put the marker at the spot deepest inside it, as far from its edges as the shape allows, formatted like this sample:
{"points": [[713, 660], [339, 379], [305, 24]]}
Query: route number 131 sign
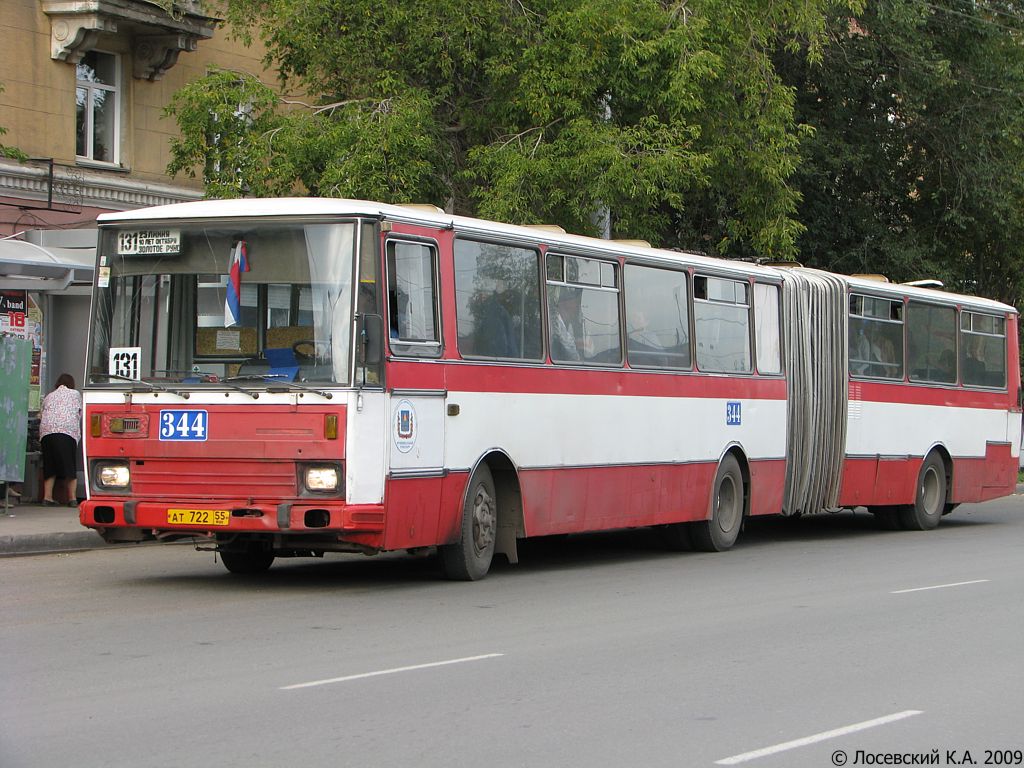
{"points": [[124, 362]]}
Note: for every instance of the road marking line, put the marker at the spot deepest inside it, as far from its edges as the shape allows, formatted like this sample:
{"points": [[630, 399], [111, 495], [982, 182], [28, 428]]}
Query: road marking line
{"points": [[939, 586], [390, 671], [817, 737]]}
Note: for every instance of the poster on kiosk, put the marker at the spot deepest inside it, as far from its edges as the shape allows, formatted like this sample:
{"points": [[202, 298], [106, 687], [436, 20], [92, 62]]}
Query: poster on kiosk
{"points": [[22, 318]]}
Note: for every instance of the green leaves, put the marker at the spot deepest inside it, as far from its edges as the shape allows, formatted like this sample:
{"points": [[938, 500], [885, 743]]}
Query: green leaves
{"points": [[916, 167], [671, 115]]}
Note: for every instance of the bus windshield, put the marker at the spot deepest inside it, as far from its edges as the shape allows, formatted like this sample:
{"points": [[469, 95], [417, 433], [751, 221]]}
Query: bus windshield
{"points": [[194, 302]]}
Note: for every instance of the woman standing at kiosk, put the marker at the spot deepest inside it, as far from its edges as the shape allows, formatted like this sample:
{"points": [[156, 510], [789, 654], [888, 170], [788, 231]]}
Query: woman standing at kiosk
{"points": [[60, 429]]}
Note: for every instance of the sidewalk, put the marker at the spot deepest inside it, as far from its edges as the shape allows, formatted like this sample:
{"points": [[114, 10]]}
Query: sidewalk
{"points": [[30, 529]]}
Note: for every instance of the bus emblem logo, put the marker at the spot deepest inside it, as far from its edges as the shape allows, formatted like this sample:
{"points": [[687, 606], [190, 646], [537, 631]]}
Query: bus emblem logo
{"points": [[405, 426], [733, 414]]}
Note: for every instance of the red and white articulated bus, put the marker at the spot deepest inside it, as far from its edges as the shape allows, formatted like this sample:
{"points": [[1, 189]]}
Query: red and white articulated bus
{"points": [[289, 377]]}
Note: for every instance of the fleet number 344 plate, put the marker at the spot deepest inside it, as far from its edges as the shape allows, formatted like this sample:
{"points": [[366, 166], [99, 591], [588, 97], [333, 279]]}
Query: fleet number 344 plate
{"points": [[198, 516]]}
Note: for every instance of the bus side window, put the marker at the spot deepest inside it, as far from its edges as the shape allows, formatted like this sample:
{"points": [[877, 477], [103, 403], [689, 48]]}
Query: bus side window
{"points": [[982, 350], [497, 290], [583, 310], [413, 318], [767, 331], [876, 337], [721, 316], [931, 343], [657, 317]]}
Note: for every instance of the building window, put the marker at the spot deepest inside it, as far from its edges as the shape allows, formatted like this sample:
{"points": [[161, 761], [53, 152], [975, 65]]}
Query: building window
{"points": [[96, 98]]}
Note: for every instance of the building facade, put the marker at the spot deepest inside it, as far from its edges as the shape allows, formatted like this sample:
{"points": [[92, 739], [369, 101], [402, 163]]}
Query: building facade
{"points": [[84, 88]]}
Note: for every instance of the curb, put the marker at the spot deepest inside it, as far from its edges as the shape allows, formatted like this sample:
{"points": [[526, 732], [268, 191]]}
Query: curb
{"points": [[46, 543]]}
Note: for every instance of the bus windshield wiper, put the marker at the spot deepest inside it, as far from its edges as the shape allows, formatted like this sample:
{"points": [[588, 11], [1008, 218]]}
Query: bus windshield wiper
{"points": [[275, 379], [209, 378], [295, 385], [150, 386]]}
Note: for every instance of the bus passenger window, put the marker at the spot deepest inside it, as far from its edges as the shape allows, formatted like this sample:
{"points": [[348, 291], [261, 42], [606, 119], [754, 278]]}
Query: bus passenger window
{"points": [[412, 299], [982, 350], [497, 291], [876, 337], [931, 343], [657, 317], [767, 331], [583, 310], [721, 317]]}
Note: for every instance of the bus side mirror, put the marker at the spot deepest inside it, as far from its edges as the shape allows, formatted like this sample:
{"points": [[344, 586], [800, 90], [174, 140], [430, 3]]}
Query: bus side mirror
{"points": [[371, 339]]}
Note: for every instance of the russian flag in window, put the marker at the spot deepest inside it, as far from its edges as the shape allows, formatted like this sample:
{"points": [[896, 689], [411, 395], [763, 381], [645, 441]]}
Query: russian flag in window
{"points": [[233, 298]]}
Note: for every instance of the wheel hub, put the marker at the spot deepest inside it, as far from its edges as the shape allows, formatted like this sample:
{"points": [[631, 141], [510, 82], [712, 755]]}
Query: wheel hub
{"points": [[484, 519]]}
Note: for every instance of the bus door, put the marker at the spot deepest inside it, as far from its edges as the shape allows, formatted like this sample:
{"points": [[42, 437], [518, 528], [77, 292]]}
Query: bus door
{"points": [[417, 395], [416, 432]]}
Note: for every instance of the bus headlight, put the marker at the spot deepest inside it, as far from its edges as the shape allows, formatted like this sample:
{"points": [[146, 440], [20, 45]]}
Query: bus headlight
{"points": [[113, 475], [321, 479]]}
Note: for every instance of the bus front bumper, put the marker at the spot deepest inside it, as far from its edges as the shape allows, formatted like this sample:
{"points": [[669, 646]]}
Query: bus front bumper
{"points": [[140, 520]]}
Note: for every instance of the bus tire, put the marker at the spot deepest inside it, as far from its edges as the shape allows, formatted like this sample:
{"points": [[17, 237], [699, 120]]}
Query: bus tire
{"points": [[469, 559], [929, 498], [719, 532], [247, 561]]}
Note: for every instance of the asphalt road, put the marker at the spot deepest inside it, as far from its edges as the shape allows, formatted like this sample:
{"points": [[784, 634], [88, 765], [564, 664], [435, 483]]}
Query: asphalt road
{"points": [[601, 650]]}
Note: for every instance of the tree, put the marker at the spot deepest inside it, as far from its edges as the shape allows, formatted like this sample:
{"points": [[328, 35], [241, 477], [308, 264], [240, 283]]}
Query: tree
{"points": [[671, 114], [915, 167]]}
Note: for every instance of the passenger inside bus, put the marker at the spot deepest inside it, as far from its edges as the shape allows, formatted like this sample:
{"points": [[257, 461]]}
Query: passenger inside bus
{"points": [[566, 324], [974, 369], [398, 310], [495, 333], [643, 344]]}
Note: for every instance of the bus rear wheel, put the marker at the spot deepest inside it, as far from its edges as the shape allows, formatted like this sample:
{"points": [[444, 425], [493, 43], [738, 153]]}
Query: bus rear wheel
{"points": [[929, 499], [720, 531], [247, 561], [469, 559]]}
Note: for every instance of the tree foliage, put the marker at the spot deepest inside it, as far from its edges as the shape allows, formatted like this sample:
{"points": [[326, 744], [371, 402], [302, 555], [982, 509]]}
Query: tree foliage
{"points": [[915, 167], [670, 114]]}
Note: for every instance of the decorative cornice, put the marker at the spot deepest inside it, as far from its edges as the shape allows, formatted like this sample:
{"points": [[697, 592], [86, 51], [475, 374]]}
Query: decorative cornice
{"points": [[157, 37], [82, 187]]}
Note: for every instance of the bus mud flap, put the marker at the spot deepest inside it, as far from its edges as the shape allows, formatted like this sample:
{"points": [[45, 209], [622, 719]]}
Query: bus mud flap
{"points": [[505, 543]]}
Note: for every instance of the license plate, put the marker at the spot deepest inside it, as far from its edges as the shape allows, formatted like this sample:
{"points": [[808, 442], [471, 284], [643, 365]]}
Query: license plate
{"points": [[198, 516]]}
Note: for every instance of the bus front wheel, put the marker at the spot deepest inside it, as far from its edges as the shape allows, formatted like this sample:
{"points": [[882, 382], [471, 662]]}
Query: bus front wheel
{"points": [[719, 532], [929, 499], [469, 558], [246, 561]]}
